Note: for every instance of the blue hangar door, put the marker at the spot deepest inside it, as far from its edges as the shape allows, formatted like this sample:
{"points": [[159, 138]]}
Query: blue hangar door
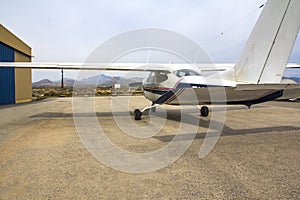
{"points": [[7, 76]]}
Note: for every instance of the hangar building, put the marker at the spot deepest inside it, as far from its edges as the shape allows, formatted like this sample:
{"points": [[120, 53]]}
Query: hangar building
{"points": [[15, 83]]}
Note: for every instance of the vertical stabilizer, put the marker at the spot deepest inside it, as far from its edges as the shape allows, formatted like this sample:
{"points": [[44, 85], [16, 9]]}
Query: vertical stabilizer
{"points": [[270, 44]]}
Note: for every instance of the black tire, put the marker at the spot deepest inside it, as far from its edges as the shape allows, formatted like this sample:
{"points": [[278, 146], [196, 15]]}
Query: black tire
{"points": [[137, 114], [204, 111]]}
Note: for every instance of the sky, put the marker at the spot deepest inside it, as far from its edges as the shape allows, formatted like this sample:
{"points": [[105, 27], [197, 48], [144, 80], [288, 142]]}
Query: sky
{"points": [[69, 30]]}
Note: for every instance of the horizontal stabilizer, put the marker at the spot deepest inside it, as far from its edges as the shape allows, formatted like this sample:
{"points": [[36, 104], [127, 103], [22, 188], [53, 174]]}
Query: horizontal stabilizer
{"points": [[290, 91], [250, 87]]}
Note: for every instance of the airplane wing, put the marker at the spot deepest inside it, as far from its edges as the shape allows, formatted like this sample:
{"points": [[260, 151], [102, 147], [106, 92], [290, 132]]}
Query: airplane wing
{"points": [[88, 66], [117, 66], [125, 66], [226, 66]]}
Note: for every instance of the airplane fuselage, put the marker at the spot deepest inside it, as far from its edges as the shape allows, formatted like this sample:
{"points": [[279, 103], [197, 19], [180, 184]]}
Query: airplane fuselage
{"points": [[189, 87]]}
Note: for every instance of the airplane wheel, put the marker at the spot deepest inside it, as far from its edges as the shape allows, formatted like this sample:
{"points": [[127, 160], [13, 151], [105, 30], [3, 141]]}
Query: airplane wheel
{"points": [[204, 111], [137, 114]]}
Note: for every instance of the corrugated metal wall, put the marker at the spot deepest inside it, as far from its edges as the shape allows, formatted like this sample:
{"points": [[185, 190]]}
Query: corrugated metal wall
{"points": [[23, 79], [7, 76], [15, 83]]}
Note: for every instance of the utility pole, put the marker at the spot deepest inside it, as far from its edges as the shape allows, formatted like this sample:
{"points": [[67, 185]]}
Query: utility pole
{"points": [[62, 78]]}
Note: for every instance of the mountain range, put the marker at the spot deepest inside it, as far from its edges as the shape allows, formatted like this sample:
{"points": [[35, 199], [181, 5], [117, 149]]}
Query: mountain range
{"points": [[100, 80], [296, 79]]}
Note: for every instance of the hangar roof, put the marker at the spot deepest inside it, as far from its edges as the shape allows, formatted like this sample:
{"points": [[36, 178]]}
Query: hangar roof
{"points": [[8, 38]]}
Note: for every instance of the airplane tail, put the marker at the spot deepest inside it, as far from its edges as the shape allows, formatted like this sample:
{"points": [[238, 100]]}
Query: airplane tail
{"points": [[270, 44]]}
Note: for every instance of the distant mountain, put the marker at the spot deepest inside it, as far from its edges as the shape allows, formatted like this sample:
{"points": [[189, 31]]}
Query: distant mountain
{"points": [[42, 83], [109, 81], [48, 83], [68, 82], [99, 80], [296, 79]]}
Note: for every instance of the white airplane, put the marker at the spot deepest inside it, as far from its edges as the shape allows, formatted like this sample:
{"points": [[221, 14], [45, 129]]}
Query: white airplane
{"points": [[254, 79]]}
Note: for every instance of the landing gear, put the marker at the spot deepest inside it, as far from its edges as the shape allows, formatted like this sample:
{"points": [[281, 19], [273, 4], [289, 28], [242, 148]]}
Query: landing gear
{"points": [[204, 111], [137, 114]]}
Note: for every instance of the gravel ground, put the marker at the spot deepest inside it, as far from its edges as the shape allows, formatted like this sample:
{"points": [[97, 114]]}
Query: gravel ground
{"points": [[256, 157]]}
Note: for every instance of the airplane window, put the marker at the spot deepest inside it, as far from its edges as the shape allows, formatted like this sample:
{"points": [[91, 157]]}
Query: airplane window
{"points": [[151, 78], [186, 72], [161, 77], [157, 77]]}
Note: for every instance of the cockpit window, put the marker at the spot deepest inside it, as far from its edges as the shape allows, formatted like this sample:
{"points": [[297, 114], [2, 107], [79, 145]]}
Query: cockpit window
{"points": [[161, 77], [186, 72], [157, 77]]}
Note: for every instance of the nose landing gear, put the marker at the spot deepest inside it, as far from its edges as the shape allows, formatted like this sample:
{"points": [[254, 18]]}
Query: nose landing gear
{"points": [[138, 113]]}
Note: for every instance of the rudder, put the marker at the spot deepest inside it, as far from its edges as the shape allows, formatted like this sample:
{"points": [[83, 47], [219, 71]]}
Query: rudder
{"points": [[270, 44]]}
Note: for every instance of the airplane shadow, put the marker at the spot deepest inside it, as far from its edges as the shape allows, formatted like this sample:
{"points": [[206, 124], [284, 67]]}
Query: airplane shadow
{"points": [[227, 132], [176, 116], [71, 115], [172, 115]]}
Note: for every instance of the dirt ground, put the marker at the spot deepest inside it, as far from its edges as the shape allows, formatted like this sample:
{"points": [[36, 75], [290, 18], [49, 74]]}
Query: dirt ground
{"points": [[256, 157]]}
